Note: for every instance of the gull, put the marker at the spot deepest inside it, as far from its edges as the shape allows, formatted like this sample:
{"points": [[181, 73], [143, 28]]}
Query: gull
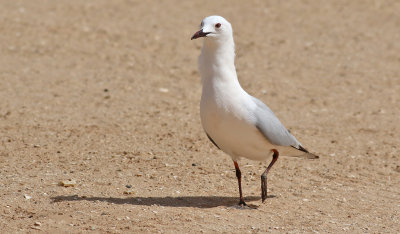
{"points": [[235, 122]]}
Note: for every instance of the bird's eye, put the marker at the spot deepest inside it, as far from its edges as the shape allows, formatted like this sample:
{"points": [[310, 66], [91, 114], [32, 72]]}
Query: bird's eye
{"points": [[201, 25], [218, 25]]}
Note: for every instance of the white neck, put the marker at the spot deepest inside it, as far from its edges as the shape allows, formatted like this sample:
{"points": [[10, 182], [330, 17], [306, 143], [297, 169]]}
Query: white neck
{"points": [[217, 61]]}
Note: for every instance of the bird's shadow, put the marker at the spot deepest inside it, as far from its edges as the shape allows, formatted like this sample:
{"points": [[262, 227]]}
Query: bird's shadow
{"points": [[183, 201]]}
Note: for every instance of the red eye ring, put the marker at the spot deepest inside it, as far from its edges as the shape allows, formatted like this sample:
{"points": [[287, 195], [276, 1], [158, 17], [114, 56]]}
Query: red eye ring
{"points": [[218, 25]]}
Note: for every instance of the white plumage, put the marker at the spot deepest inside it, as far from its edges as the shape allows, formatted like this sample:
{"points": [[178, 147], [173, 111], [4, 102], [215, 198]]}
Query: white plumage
{"points": [[237, 123]]}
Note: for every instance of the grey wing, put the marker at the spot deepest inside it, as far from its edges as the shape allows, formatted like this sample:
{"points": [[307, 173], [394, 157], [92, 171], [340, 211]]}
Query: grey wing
{"points": [[270, 126]]}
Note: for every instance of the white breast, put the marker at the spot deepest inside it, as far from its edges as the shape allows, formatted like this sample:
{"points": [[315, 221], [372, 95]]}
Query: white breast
{"points": [[230, 123]]}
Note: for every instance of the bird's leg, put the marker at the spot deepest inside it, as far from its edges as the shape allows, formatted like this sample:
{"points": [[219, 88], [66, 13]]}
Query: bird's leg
{"points": [[264, 175], [239, 177]]}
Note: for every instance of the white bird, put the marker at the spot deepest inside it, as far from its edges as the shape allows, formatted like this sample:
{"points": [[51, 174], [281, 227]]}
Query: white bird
{"points": [[234, 121]]}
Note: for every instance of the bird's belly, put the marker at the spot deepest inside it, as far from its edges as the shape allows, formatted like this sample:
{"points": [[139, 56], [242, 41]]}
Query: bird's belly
{"points": [[236, 137]]}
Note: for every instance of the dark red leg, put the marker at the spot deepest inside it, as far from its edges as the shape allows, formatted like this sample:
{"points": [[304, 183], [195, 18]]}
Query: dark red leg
{"points": [[239, 177], [264, 175]]}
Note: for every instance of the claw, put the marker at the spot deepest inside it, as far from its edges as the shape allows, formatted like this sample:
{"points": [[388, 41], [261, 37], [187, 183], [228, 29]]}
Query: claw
{"points": [[242, 203]]}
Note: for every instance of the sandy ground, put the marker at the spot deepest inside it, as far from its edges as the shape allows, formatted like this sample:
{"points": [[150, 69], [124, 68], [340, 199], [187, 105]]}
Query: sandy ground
{"points": [[107, 93]]}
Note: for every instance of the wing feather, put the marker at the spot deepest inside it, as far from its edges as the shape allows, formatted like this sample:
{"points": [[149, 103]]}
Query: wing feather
{"points": [[270, 126], [272, 129]]}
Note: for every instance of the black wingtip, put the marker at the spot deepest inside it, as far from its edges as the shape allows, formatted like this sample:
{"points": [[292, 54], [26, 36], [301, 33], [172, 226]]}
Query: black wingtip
{"points": [[301, 148], [307, 154]]}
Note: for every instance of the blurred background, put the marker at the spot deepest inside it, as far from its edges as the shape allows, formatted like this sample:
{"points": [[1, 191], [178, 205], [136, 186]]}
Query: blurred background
{"points": [[106, 94]]}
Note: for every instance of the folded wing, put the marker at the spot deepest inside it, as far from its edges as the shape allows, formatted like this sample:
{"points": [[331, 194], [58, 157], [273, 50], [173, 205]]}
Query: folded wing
{"points": [[274, 131]]}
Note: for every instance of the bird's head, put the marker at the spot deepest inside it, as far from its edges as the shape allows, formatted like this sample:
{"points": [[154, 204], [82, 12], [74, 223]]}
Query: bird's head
{"points": [[214, 28]]}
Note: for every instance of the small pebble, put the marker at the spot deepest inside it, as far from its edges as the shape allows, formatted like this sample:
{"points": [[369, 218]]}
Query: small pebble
{"points": [[38, 224], [163, 90], [128, 186], [67, 183], [27, 197], [194, 164], [129, 192]]}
